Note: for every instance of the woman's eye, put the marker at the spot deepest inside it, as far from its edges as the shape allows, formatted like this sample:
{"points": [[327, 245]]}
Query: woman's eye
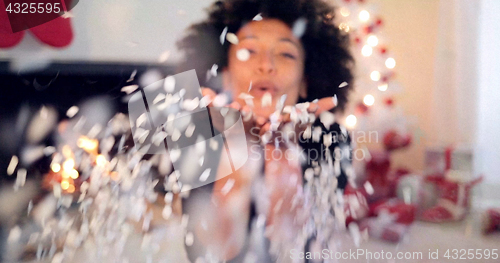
{"points": [[288, 55]]}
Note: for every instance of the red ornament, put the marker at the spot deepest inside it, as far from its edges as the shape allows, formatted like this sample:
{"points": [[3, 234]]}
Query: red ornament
{"points": [[7, 38], [368, 29], [403, 213], [361, 109], [388, 101], [393, 140]]}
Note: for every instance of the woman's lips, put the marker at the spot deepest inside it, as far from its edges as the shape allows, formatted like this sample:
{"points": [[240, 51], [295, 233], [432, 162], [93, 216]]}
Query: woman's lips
{"points": [[260, 88]]}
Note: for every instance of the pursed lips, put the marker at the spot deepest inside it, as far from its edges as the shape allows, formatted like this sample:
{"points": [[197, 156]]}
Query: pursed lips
{"points": [[262, 87]]}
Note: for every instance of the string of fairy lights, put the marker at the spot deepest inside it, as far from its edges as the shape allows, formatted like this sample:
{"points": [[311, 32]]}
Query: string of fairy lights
{"points": [[359, 19]]}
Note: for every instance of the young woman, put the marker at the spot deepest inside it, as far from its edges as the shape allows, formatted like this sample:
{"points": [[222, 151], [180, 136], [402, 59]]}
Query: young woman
{"points": [[268, 54]]}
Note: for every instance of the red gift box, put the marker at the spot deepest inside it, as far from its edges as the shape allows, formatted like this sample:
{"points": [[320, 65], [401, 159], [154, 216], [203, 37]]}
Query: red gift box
{"points": [[384, 228], [355, 204], [438, 160], [404, 213], [491, 221]]}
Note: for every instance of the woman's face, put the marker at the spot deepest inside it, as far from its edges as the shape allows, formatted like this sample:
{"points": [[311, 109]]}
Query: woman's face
{"points": [[268, 58]]}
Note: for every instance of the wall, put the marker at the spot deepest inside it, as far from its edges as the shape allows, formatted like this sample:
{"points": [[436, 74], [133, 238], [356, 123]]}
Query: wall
{"points": [[411, 29], [487, 149]]}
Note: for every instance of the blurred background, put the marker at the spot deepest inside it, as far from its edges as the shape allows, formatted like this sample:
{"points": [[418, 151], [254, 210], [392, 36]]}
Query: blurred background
{"points": [[438, 100]]}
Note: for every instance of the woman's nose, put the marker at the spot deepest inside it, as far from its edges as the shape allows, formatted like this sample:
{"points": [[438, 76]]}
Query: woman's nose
{"points": [[267, 65]]}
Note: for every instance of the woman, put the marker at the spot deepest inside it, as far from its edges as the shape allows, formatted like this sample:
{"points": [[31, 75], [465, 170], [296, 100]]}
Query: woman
{"points": [[269, 54]]}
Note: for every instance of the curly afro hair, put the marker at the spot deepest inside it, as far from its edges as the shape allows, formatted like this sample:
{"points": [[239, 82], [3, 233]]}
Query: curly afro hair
{"points": [[328, 61]]}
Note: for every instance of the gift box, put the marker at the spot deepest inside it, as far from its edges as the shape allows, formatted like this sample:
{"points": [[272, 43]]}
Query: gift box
{"points": [[377, 171], [440, 159], [384, 228], [403, 213], [355, 204], [418, 190], [491, 221]]}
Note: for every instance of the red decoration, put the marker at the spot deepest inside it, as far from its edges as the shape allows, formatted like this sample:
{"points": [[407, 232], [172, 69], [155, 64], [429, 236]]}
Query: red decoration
{"points": [[378, 22], [389, 101], [404, 213], [393, 140], [55, 33], [361, 108], [7, 38], [453, 202], [383, 50], [384, 229], [491, 221], [355, 204], [368, 29]]}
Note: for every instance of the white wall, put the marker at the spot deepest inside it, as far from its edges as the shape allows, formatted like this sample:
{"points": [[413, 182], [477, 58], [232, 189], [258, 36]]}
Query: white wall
{"points": [[488, 120], [411, 31], [119, 30]]}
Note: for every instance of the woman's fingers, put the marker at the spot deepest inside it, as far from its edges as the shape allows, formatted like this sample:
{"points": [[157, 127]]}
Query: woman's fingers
{"points": [[208, 93], [325, 104]]}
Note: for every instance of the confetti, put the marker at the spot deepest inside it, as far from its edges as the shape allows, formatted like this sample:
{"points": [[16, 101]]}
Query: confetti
{"points": [[327, 119], [222, 37], [243, 54], [368, 188], [327, 140], [164, 56], [21, 178], [191, 105], [14, 235], [343, 84], [189, 239], [316, 134], [71, 112], [129, 89], [12, 165], [232, 38], [204, 176], [141, 120], [169, 84], [176, 135], [190, 130], [213, 70], [309, 174], [49, 150], [167, 212], [227, 186], [267, 100], [132, 76], [159, 98], [299, 27], [174, 154], [258, 17], [30, 207], [355, 234], [220, 100], [169, 197], [214, 144]]}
